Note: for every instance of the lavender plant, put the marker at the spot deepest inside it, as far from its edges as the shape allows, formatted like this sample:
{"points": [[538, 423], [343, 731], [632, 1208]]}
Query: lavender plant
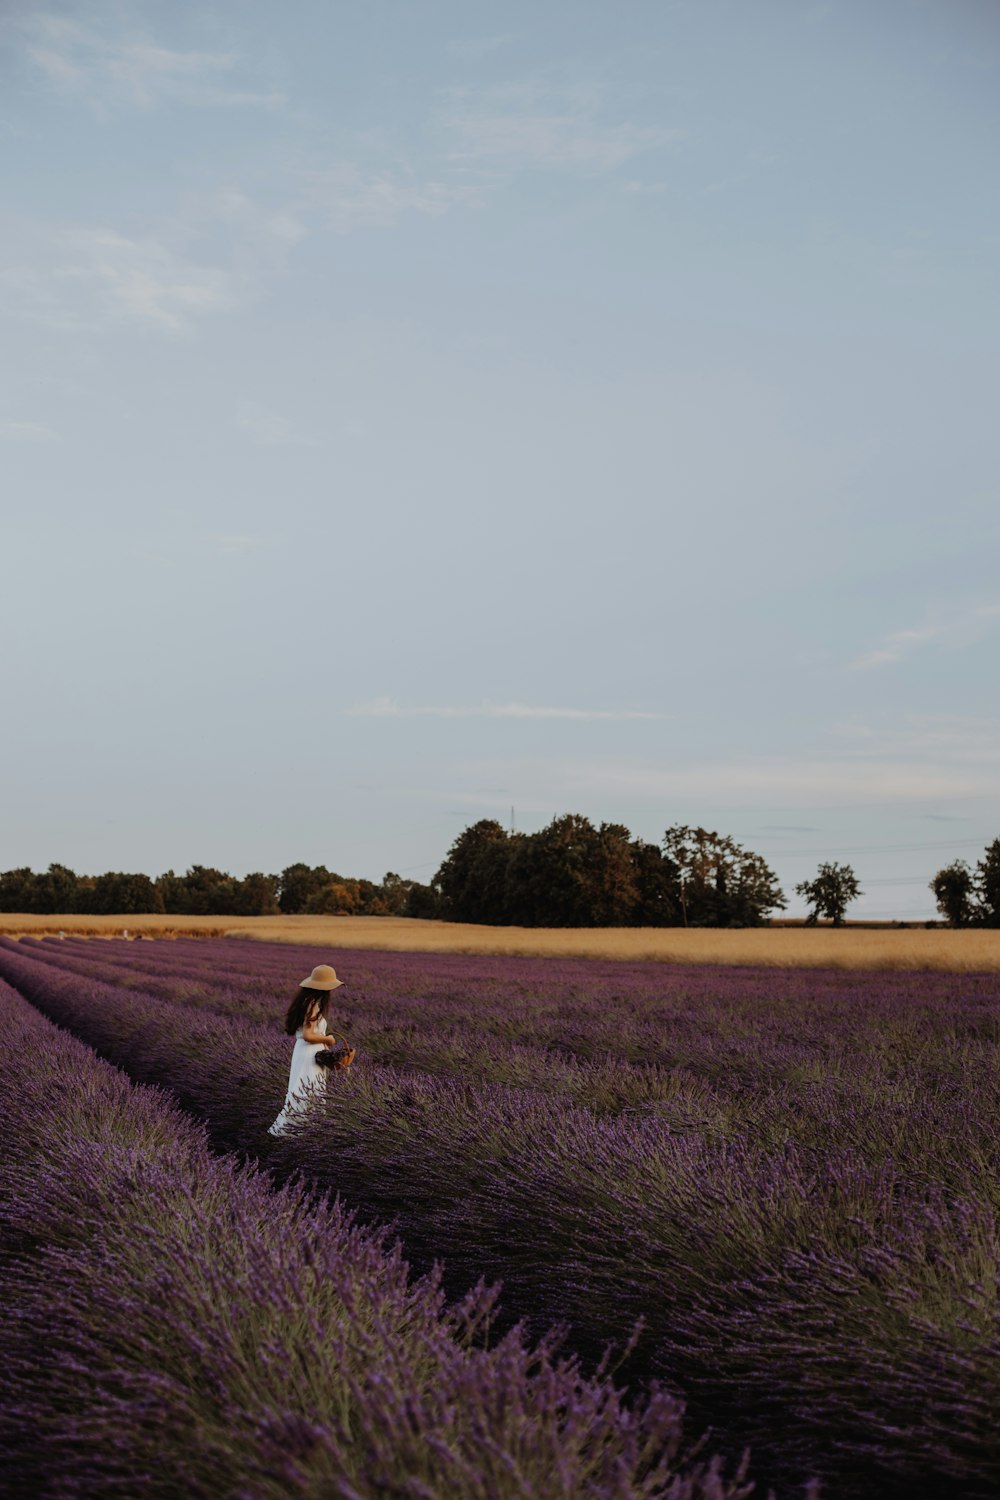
{"points": [[791, 1177], [176, 1325]]}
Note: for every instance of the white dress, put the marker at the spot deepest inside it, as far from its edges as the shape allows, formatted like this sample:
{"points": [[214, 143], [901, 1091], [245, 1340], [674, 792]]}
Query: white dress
{"points": [[305, 1078]]}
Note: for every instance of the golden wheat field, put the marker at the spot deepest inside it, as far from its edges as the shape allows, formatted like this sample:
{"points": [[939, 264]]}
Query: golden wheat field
{"points": [[784, 947]]}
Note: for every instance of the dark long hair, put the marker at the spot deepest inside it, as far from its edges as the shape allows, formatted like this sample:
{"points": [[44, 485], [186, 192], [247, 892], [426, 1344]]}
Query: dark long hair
{"points": [[306, 1002]]}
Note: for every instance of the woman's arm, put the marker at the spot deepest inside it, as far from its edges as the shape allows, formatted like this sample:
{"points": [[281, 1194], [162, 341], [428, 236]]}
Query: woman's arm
{"points": [[310, 1034]]}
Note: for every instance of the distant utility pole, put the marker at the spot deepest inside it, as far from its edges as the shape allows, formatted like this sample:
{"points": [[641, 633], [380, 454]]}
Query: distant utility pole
{"points": [[512, 821]]}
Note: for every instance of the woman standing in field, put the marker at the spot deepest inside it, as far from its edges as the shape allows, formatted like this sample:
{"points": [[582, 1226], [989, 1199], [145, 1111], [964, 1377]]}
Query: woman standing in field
{"points": [[306, 1021]]}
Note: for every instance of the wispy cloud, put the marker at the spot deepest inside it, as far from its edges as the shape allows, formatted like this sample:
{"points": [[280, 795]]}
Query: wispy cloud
{"points": [[234, 544], [788, 782], [87, 277], [105, 70], [211, 255], [945, 738], [27, 432], [530, 124], [958, 629], [268, 429], [345, 198], [388, 708], [145, 280]]}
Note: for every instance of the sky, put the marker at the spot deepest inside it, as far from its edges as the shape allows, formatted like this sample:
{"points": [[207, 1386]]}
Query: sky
{"points": [[412, 413]]}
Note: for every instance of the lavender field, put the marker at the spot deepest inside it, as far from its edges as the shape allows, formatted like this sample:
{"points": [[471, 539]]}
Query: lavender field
{"points": [[787, 1179]]}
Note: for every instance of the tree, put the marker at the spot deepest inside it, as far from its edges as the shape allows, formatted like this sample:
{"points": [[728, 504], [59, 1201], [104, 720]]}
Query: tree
{"points": [[612, 879], [395, 893], [56, 890], [203, 891], [657, 886], [257, 895], [954, 890], [17, 889], [117, 893], [988, 886], [423, 901], [719, 883], [299, 884], [461, 878], [555, 874], [338, 898], [830, 894]]}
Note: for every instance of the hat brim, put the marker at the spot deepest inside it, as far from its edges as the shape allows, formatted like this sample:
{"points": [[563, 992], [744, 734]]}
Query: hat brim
{"points": [[313, 984]]}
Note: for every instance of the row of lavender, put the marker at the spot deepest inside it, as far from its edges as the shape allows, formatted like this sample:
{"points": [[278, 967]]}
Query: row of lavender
{"points": [[818, 1267], [174, 1324], [908, 1060], [568, 1028]]}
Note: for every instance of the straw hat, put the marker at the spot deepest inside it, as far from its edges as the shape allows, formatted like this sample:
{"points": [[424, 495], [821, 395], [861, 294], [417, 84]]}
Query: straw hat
{"points": [[321, 978]]}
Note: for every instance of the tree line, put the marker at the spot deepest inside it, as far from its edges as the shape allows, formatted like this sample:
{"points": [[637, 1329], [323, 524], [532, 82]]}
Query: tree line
{"points": [[575, 874], [204, 891], [572, 873]]}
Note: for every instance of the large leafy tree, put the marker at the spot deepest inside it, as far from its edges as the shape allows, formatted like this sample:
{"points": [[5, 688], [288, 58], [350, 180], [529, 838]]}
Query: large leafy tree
{"points": [[18, 889], [57, 890], [719, 883], [478, 852], [954, 890], [657, 887], [571, 874], [256, 895], [202, 891], [830, 893], [299, 884], [116, 891], [988, 886]]}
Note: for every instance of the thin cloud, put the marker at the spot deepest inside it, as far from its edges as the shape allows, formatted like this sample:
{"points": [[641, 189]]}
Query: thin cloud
{"points": [[268, 429], [950, 738], [144, 281], [530, 125], [212, 257], [771, 782], [234, 544], [87, 277], [960, 629], [790, 782], [79, 59], [27, 432], [343, 198], [388, 708]]}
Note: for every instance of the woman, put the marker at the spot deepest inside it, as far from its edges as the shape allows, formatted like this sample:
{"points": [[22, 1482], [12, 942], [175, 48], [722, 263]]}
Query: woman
{"points": [[306, 1021]]}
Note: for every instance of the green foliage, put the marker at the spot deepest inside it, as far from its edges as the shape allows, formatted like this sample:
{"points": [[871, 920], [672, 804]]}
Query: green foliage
{"points": [[954, 892], [964, 898], [573, 874], [988, 885], [469, 871], [116, 892], [719, 883], [830, 894], [422, 901], [299, 884]]}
